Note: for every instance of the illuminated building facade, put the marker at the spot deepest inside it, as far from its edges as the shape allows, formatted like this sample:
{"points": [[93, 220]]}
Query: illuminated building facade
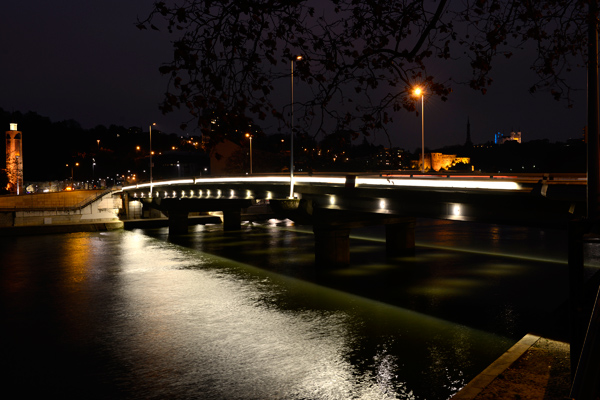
{"points": [[14, 160], [440, 161], [513, 137]]}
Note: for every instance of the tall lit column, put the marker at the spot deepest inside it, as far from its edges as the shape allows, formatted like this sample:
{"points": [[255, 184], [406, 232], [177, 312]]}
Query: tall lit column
{"points": [[419, 92], [150, 131], [298, 58], [14, 159]]}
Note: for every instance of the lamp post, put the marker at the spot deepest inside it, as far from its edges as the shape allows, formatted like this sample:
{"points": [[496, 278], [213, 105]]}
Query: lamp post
{"points": [[249, 136], [18, 176], [298, 58], [73, 165], [150, 131], [419, 92]]}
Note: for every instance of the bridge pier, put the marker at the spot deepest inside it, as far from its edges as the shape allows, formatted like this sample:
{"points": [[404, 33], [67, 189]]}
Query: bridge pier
{"points": [[232, 219], [332, 246], [332, 235], [400, 239], [178, 222]]}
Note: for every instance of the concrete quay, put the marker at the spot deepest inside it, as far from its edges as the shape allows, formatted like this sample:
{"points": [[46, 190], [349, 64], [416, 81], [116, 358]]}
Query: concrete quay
{"points": [[85, 208], [535, 368], [52, 200]]}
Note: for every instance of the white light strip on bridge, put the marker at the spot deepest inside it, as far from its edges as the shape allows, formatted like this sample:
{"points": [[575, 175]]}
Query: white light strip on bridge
{"points": [[334, 180], [446, 183]]}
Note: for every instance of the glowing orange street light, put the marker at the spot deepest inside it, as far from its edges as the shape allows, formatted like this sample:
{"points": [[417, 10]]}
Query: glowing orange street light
{"points": [[419, 92], [72, 166]]}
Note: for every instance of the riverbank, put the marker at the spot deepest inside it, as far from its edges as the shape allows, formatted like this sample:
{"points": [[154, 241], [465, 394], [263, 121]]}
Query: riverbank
{"points": [[534, 368], [113, 225], [27, 230]]}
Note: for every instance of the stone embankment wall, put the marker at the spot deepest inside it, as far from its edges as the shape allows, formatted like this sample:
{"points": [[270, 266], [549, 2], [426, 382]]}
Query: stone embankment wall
{"points": [[51, 200], [84, 206]]}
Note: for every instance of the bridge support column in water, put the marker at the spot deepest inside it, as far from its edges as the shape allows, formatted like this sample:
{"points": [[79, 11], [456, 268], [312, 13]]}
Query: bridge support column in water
{"points": [[178, 222], [332, 234], [232, 219], [400, 238], [332, 246]]}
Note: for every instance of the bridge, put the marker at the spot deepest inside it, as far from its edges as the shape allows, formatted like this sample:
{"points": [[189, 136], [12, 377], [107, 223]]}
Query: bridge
{"points": [[335, 204]]}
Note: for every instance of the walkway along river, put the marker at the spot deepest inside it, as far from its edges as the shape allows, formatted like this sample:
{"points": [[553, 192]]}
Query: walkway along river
{"points": [[245, 315]]}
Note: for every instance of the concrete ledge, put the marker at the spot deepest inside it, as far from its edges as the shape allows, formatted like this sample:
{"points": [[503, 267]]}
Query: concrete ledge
{"points": [[486, 377], [60, 228]]}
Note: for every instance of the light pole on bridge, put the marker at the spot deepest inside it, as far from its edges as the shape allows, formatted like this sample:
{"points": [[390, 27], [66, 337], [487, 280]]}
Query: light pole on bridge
{"points": [[150, 153], [249, 136], [297, 58], [419, 92]]}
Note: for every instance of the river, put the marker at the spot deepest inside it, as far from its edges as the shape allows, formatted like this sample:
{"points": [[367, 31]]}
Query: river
{"points": [[245, 315]]}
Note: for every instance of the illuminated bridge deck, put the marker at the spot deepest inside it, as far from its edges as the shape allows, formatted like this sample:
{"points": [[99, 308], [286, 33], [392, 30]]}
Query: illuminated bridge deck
{"points": [[512, 198]]}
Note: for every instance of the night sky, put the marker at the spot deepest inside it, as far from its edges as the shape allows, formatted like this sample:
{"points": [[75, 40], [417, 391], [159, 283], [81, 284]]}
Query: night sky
{"points": [[87, 61]]}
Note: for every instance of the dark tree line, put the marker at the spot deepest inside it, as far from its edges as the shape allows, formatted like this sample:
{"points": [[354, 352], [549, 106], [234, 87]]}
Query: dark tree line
{"points": [[51, 149]]}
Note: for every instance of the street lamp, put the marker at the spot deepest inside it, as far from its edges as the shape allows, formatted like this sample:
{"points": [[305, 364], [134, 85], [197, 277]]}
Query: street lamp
{"points": [[298, 58], [249, 136], [75, 164], [150, 131], [419, 92]]}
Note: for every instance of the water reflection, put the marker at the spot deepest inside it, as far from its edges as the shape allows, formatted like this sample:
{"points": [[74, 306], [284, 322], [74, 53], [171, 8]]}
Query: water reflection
{"points": [[215, 315]]}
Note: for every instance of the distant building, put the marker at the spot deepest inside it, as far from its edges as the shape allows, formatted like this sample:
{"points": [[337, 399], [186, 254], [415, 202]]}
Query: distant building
{"points": [[390, 158], [440, 161], [14, 160], [499, 138]]}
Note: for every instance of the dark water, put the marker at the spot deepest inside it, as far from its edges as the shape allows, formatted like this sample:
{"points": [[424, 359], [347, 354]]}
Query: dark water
{"points": [[245, 315]]}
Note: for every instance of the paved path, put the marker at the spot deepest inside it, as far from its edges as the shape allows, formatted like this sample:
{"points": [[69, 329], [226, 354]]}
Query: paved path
{"points": [[535, 368]]}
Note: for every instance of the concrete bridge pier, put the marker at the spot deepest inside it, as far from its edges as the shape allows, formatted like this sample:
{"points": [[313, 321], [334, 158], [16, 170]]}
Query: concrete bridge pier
{"points": [[400, 238], [232, 219], [178, 222], [332, 246], [332, 235]]}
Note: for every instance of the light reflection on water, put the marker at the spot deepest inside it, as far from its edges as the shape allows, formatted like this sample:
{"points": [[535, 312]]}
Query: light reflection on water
{"points": [[180, 319], [252, 334]]}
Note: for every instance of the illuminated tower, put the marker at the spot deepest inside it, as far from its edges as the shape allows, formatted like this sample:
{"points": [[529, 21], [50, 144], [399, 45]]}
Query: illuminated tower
{"points": [[14, 160]]}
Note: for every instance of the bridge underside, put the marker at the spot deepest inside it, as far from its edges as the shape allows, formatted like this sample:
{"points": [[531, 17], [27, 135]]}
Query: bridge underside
{"points": [[334, 209], [178, 210]]}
